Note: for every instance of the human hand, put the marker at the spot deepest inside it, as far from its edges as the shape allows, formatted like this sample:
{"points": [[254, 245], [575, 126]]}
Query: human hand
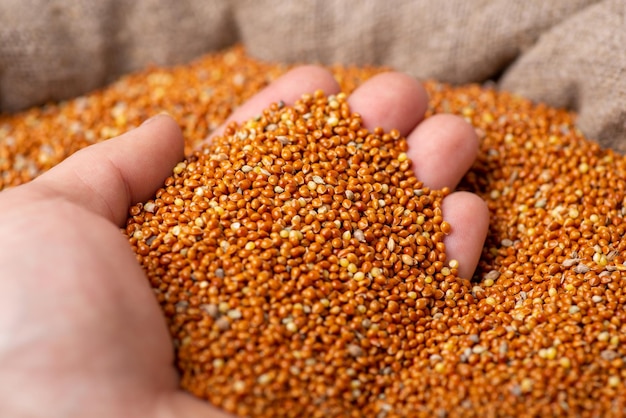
{"points": [[80, 331]]}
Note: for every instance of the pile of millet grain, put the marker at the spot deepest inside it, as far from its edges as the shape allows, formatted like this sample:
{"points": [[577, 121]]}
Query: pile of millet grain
{"points": [[308, 277]]}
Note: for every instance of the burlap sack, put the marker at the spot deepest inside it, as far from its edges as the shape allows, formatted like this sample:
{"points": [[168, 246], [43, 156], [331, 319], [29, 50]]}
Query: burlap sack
{"points": [[56, 49], [581, 64], [563, 52], [456, 41]]}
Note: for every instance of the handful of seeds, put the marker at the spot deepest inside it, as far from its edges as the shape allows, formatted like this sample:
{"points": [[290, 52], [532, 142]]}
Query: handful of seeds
{"points": [[299, 261], [540, 331]]}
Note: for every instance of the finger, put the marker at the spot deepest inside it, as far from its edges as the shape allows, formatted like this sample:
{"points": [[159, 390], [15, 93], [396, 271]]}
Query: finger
{"points": [[108, 177], [288, 88], [442, 148], [390, 101], [468, 217]]}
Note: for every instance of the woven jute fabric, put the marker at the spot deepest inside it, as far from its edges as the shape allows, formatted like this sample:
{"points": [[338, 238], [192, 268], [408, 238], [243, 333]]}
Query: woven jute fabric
{"points": [[566, 53], [580, 64], [57, 49]]}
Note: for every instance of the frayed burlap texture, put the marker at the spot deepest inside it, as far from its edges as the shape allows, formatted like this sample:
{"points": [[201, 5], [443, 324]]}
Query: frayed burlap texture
{"points": [[567, 53]]}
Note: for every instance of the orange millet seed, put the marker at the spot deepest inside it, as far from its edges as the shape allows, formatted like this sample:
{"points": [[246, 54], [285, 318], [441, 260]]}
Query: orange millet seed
{"points": [[300, 263], [542, 330]]}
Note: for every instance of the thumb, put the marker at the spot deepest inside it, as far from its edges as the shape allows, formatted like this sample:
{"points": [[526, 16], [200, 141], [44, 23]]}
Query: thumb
{"points": [[108, 177]]}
